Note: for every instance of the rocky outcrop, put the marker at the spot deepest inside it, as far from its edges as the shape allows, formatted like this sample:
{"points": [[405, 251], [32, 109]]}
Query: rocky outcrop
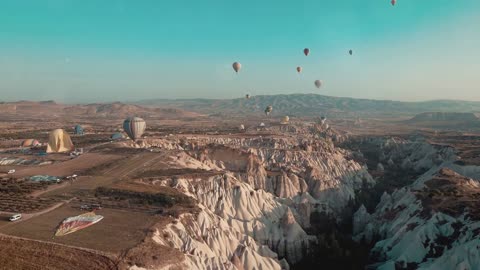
{"points": [[289, 169], [252, 222], [436, 226]]}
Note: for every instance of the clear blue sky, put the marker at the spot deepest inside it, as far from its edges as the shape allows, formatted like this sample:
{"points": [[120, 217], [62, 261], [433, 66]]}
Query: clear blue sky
{"points": [[104, 50]]}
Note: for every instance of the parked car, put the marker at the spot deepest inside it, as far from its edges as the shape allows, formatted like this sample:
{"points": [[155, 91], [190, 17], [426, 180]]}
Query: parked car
{"points": [[15, 217], [94, 207], [90, 207]]}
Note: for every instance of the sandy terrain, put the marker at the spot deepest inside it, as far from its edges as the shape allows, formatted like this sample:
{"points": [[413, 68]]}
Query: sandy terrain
{"points": [[125, 180], [32, 255], [76, 165]]}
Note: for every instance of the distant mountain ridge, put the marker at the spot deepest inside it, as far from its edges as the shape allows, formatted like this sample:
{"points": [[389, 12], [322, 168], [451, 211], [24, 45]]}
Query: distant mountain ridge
{"points": [[115, 109], [314, 105], [445, 120]]}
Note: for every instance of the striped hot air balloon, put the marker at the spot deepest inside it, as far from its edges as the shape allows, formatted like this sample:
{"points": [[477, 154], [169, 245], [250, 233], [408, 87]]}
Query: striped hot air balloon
{"points": [[73, 224], [134, 127]]}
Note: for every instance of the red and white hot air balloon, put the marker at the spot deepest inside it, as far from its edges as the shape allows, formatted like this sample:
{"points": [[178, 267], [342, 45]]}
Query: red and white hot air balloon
{"points": [[306, 51]]}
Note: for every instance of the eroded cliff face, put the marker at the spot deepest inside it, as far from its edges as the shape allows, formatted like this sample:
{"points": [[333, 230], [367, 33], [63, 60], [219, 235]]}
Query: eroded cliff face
{"points": [[236, 225], [432, 223], [256, 204], [291, 168], [264, 194]]}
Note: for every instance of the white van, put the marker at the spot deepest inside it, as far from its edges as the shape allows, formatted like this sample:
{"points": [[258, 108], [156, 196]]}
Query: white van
{"points": [[15, 217]]}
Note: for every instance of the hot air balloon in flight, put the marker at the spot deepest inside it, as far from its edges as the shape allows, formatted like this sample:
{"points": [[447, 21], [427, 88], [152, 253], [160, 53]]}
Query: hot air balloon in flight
{"points": [[306, 51], [134, 127], [237, 66], [299, 69], [350, 52], [285, 120], [393, 2], [247, 96], [268, 110], [318, 83]]}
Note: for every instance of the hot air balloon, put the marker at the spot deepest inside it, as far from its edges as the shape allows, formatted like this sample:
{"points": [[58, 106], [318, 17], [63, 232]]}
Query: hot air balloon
{"points": [[323, 119], [350, 52], [78, 130], [73, 224], [285, 120], [318, 83], [306, 51], [59, 142], [268, 110], [242, 127], [393, 2], [134, 127], [237, 66], [247, 96], [116, 136], [299, 69]]}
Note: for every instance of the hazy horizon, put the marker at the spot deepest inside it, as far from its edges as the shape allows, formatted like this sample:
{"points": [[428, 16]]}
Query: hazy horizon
{"points": [[90, 51], [140, 101]]}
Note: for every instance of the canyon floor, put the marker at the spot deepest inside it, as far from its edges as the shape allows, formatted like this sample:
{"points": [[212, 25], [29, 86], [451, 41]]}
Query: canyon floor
{"points": [[196, 192]]}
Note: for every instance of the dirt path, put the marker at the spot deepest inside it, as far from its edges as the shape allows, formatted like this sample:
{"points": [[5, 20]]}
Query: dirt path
{"points": [[137, 162], [28, 216], [67, 167], [37, 193]]}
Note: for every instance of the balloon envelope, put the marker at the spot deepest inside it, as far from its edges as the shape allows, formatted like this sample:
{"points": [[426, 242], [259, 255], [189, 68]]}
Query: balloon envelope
{"points": [[134, 127], [299, 69], [393, 2], [30, 143], [247, 96], [268, 110], [318, 83], [116, 136], [78, 130], [306, 51], [237, 66], [350, 52], [73, 224]]}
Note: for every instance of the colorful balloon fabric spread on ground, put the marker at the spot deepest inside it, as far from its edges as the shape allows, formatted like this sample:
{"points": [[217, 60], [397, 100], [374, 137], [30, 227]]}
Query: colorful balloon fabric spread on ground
{"points": [[73, 224]]}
